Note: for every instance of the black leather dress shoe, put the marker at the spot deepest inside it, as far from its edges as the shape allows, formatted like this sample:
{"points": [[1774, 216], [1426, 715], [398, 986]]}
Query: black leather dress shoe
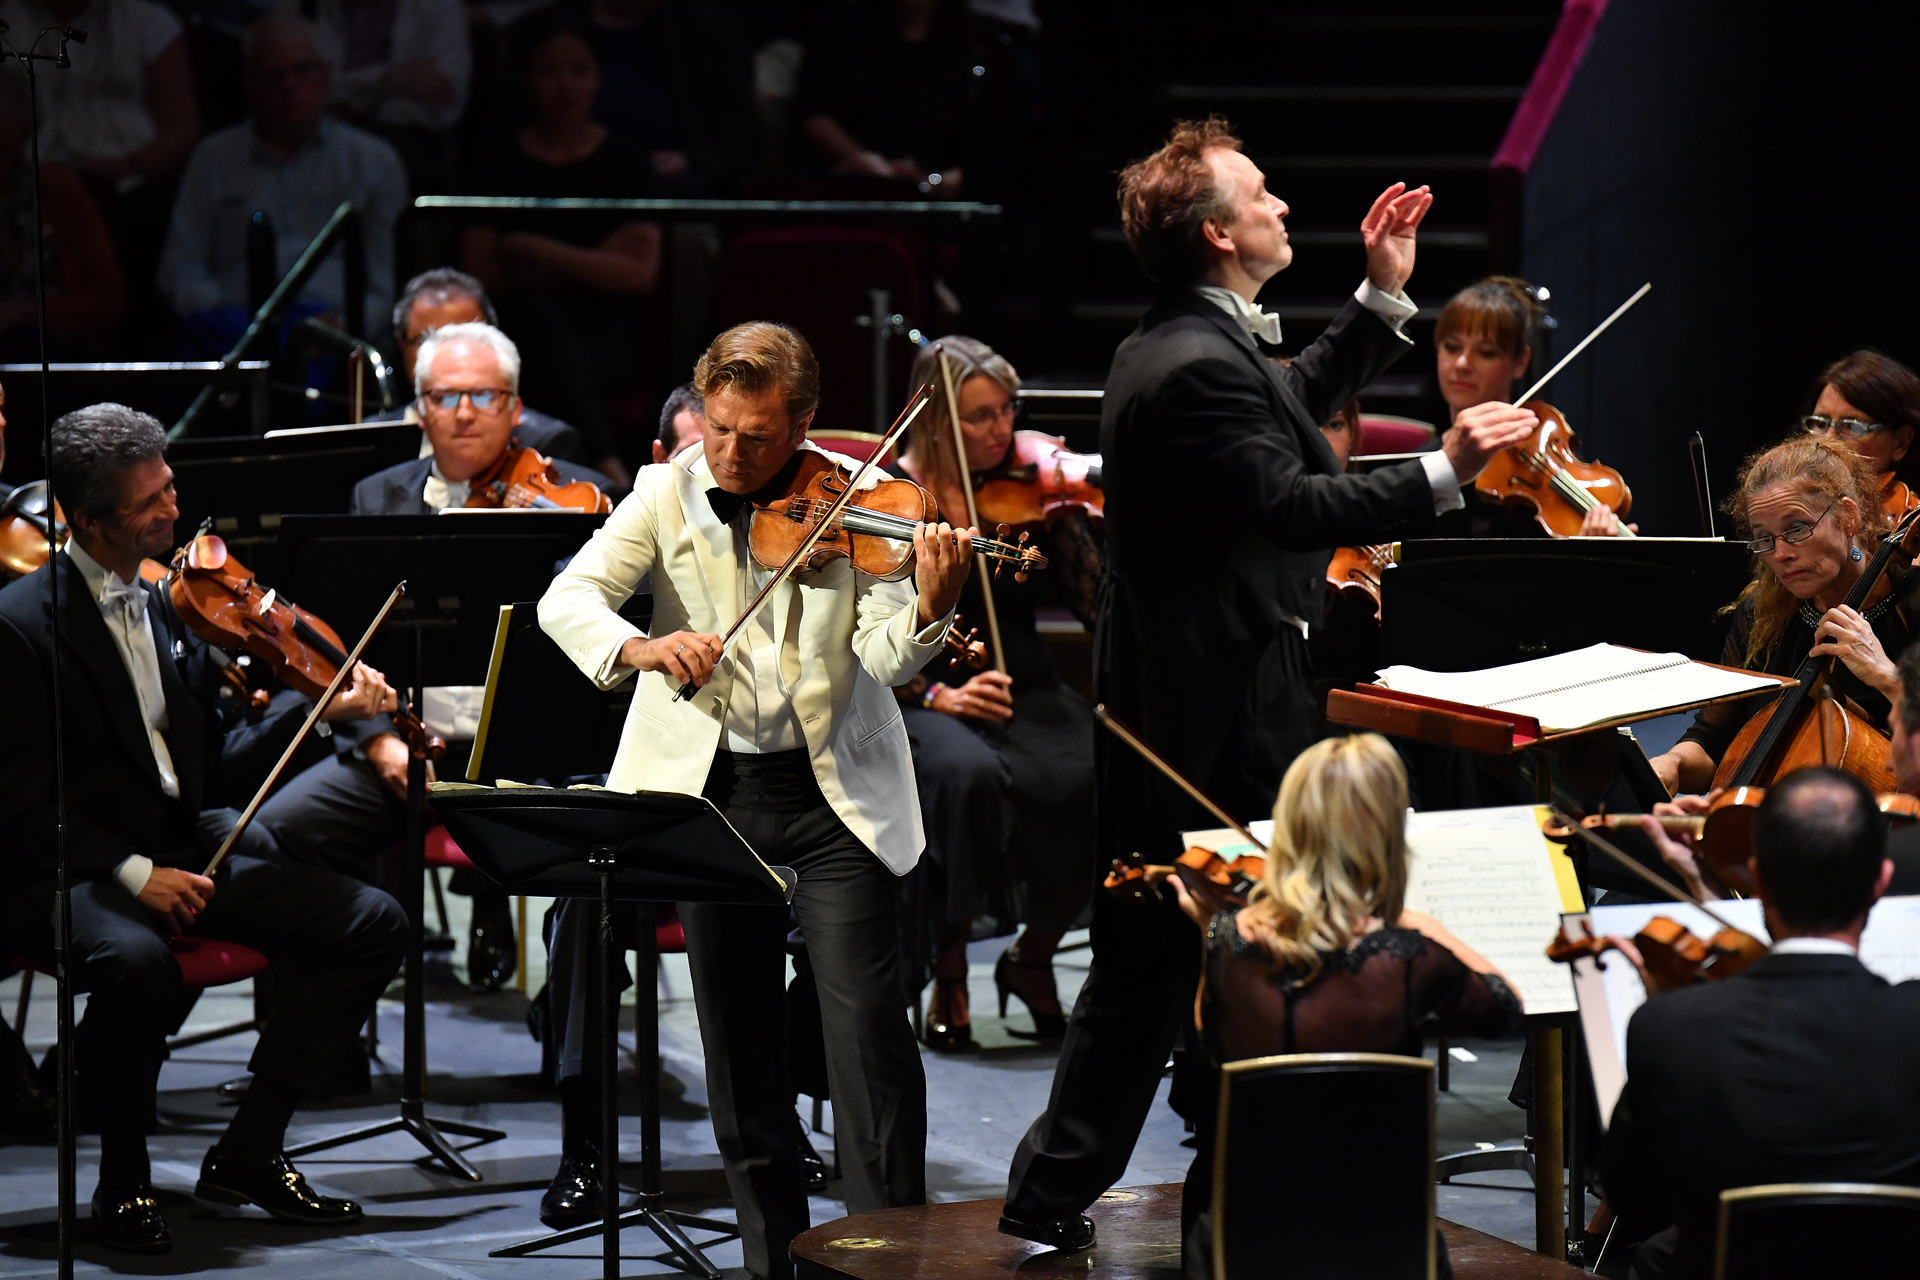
{"points": [[273, 1184], [813, 1169], [128, 1219], [490, 946], [1069, 1235], [574, 1197]]}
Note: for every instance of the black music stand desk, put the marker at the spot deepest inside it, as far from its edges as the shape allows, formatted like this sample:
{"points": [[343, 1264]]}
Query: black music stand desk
{"points": [[647, 847]]}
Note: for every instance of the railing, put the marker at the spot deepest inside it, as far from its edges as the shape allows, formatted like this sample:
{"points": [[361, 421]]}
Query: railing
{"points": [[343, 230], [1532, 119], [965, 210]]}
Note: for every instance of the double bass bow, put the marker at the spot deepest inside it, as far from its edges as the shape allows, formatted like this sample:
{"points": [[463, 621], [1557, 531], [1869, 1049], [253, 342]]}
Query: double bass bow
{"points": [[1807, 725]]}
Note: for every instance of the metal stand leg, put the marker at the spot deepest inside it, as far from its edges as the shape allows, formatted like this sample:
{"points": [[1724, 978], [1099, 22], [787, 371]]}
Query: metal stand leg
{"points": [[647, 1210], [413, 1119], [1549, 1206]]}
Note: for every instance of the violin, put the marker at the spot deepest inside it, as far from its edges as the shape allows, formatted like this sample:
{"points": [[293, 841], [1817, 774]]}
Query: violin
{"points": [[874, 529], [968, 650], [226, 606], [1543, 473], [525, 477], [1807, 725], [1898, 500], [1355, 572], [1671, 955], [23, 528], [1039, 478], [1220, 884]]}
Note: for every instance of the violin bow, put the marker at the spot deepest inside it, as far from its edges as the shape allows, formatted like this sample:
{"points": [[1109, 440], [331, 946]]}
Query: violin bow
{"points": [[1653, 881], [1152, 757], [973, 511], [1599, 329], [800, 553], [313, 718]]}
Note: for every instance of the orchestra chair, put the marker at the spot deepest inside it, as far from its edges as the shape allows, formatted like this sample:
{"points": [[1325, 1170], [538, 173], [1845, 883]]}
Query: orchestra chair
{"points": [[1323, 1167], [1386, 433], [204, 963], [1798, 1229]]}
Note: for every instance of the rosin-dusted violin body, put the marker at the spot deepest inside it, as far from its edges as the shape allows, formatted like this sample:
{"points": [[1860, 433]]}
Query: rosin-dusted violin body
{"points": [[527, 478], [1545, 475], [1039, 478]]}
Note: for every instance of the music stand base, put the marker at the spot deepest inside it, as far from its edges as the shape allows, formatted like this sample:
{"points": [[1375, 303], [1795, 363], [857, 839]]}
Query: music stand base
{"points": [[646, 1212], [428, 1133]]}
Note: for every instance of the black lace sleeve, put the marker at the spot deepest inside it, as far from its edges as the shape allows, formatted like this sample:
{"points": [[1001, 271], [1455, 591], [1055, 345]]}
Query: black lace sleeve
{"points": [[1447, 995], [1077, 564]]}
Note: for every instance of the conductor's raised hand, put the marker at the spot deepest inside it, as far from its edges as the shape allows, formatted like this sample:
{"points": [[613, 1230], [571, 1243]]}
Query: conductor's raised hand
{"points": [[682, 655], [177, 897], [942, 557], [1388, 230], [1482, 431]]}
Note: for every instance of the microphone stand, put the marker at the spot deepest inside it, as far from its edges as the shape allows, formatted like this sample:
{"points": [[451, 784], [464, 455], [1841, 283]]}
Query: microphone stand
{"points": [[63, 901]]}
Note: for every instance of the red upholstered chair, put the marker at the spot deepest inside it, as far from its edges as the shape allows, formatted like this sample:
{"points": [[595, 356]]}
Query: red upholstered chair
{"points": [[204, 963], [1384, 433]]}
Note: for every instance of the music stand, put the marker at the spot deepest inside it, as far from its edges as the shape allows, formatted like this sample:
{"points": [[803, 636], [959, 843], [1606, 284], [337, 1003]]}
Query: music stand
{"points": [[460, 569], [648, 847]]}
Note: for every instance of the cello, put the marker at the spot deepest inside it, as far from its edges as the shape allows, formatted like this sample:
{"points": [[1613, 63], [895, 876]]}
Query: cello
{"points": [[1808, 725]]}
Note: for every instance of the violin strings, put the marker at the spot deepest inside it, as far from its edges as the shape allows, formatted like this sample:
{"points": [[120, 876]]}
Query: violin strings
{"points": [[887, 525]]}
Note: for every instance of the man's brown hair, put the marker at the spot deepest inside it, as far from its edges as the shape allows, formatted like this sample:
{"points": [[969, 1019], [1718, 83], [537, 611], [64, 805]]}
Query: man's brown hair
{"points": [[1165, 198], [758, 355]]}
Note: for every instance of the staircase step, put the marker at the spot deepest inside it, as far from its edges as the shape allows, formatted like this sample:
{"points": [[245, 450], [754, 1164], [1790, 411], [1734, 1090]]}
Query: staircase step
{"points": [[1409, 93]]}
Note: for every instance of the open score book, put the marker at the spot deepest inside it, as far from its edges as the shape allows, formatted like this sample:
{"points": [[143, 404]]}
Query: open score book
{"points": [[1595, 685]]}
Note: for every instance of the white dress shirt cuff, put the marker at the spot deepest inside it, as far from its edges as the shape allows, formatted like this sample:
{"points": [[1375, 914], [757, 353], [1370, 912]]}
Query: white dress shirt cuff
{"points": [[1445, 484], [133, 872], [1396, 310]]}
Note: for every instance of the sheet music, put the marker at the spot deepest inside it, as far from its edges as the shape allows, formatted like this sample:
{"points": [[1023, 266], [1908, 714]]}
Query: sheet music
{"points": [[1585, 686], [1490, 877]]}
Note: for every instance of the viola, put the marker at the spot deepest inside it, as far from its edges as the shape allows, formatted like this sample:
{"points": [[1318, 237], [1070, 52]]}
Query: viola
{"points": [[1543, 473], [1039, 478], [874, 529], [226, 606], [1671, 956], [1220, 884], [23, 528], [1355, 572], [525, 477], [1807, 725]]}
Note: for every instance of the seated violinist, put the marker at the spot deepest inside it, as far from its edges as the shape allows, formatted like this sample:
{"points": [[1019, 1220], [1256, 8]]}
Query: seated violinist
{"points": [[1484, 343], [147, 746], [1739, 1082], [1812, 511], [467, 378], [1324, 958], [1871, 403]]}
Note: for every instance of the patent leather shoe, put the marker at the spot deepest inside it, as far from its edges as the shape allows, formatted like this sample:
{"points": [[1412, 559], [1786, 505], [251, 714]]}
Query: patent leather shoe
{"points": [[128, 1219], [273, 1184], [574, 1197], [1069, 1235]]}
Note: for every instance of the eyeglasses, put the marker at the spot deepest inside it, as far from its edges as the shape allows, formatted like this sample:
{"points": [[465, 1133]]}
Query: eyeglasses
{"points": [[484, 401], [991, 414], [1815, 424], [1798, 531]]}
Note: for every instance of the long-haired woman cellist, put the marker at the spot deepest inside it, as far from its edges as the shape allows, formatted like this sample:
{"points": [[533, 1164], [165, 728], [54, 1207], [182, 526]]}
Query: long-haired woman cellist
{"points": [[1871, 403], [1812, 511]]}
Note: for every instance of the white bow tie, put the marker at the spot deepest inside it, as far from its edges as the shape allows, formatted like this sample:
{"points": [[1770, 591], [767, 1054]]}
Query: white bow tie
{"points": [[131, 601], [1261, 323]]}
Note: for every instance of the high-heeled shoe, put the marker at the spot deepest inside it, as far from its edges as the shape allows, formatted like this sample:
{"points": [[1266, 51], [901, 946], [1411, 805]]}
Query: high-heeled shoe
{"points": [[1048, 1028], [943, 1031]]}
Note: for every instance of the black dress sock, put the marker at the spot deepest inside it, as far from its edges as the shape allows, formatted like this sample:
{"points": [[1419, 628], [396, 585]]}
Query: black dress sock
{"points": [[123, 1159], [259, 1127], [579, 1115]]}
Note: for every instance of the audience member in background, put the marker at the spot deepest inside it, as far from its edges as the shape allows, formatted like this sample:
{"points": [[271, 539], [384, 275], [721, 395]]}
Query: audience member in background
{"points": [[884, 90], [125, 116], [401, 71], [1325, 958], [571, 288], [443, 296], [1871, 404], [85, 297], [292, 162], [682, 418], [1739, 1083]]}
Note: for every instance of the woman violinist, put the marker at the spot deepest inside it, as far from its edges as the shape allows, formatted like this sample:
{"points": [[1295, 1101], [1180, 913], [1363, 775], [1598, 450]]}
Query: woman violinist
{"points": [[1813, 514], [1324, 958], [1871, 404], [1483, 345], [1004, 761]]}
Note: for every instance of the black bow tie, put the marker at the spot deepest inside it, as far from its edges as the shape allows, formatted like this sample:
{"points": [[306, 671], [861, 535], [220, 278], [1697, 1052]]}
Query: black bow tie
{"points": [[727, 505]]}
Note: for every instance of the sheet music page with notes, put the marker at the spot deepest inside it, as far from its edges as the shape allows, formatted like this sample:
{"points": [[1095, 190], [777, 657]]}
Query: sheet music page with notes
{"points": [[1599, 683], [1501, 886]]}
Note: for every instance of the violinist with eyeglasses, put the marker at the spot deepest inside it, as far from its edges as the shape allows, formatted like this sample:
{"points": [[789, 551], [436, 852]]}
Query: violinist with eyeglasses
{"points": [[1871, 404]]}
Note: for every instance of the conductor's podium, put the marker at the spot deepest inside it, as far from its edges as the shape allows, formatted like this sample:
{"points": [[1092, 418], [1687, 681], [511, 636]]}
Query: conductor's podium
{"points": [[1139, 1239]]}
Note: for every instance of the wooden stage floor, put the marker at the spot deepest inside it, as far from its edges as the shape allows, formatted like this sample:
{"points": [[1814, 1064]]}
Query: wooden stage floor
{"points": [[1139, 1239]]}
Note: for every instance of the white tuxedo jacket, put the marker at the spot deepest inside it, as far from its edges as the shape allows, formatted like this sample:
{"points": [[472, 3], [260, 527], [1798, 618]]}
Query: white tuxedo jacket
{"points": [[846, 641]]}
